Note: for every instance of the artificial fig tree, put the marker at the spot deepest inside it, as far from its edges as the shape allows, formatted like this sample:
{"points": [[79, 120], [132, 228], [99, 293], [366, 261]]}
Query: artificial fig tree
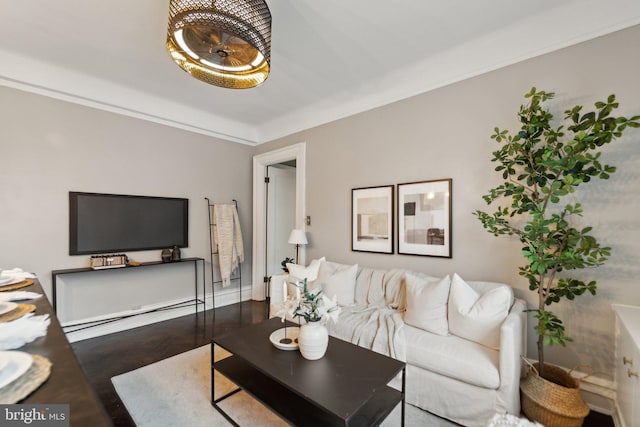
{"points": [[540, 165]]}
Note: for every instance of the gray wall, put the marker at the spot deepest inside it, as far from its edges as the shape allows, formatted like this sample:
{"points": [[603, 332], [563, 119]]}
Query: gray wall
{"points": [[445, 134], [50, 147]]}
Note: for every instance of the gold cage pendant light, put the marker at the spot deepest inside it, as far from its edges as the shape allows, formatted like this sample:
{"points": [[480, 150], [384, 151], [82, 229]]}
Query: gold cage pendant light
{"points": [[225, 43]]}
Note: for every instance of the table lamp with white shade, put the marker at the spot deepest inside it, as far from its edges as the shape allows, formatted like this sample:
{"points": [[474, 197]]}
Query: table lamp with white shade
{"points": [[297, 237]]}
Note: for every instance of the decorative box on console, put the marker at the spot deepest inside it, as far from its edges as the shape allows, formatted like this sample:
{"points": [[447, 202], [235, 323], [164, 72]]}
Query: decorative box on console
{"points": [[98, 262]]}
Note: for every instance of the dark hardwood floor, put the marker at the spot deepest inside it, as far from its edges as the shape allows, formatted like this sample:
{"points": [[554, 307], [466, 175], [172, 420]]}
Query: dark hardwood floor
{"points": [[114, 354]]}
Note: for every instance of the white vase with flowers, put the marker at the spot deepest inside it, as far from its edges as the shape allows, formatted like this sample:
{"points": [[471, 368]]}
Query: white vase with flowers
{"points": [[316, 309]]}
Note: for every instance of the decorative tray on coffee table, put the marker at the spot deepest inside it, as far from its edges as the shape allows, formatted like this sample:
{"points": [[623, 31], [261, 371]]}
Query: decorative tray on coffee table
{"points": [[285, 338]]}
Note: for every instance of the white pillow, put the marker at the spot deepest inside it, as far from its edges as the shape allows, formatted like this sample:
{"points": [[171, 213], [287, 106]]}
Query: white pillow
{"points": [[427, 303], [297, 273], [339, 282], [478, 317], [301, 272]]}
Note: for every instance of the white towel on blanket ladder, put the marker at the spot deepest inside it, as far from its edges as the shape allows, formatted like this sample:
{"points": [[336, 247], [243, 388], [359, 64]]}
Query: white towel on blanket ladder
{"points": [[228, 239]]}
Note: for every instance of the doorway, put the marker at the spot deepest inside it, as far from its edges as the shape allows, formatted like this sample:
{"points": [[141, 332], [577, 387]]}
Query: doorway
{"points": [[266, 261], [281, 214]]}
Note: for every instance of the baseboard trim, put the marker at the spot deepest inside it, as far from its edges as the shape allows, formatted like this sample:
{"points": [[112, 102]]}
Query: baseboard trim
{"points": [[599, 393], [618, 421], [146, 315]]}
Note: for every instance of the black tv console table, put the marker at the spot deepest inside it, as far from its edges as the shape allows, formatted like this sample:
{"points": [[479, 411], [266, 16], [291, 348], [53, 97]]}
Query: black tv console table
{"points": [[196, 301]]}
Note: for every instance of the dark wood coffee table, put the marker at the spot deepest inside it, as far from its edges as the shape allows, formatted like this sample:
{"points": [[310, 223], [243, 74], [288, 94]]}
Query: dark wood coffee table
{"points": [[347, 387]]}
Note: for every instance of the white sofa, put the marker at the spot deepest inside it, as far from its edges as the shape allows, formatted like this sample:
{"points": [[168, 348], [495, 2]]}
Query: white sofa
{"points": [[462, 341]]}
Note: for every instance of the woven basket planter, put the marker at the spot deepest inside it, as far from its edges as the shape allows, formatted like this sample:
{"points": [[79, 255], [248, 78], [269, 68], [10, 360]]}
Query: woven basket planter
{"points": [[554, 400]]}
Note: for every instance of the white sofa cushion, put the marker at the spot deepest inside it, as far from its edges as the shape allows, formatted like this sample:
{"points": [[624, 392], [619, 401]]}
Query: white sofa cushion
{"points": [[477, 316], [310, 272], [370, 278], [453, 357], [427, 303], [297, 273], [380, 288], [338, 280]]}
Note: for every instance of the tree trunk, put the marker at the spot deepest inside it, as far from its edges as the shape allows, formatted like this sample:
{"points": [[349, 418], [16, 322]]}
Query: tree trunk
{"points": [[540, 351], [541, 326]]}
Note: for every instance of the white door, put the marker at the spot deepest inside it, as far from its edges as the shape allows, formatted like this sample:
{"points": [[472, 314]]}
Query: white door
{"points": [[295, 152], [281, 215]]}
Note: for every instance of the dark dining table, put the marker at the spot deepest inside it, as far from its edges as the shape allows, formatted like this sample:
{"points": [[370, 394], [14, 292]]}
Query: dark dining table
{"points": [[67, 383]]}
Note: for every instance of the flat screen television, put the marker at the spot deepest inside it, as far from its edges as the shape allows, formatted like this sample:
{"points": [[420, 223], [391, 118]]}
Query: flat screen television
{"points": [[106, 223]]}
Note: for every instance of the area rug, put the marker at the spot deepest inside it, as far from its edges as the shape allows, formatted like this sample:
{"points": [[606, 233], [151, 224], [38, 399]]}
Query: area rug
{"points": [[177, 391]]}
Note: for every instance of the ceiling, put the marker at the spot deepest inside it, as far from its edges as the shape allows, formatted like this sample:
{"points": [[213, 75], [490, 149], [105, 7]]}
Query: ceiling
{"points": [[329, 58]]}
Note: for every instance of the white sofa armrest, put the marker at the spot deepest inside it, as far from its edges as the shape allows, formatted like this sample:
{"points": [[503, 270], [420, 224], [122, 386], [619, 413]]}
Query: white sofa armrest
{"points": [[512, 347], [276, 293]]}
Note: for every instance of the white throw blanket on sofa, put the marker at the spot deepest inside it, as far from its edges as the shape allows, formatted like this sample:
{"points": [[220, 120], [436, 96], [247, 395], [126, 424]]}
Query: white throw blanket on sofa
{"points": [[378, 329]]}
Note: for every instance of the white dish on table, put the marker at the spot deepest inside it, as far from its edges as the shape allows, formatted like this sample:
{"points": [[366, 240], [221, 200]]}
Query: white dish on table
{"points": [[11, 281], [6, 306], [291, 333], [5, 279], [16, 363]]}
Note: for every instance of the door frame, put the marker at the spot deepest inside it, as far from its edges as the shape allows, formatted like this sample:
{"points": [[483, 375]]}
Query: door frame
{"points": [[295, 152]]}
